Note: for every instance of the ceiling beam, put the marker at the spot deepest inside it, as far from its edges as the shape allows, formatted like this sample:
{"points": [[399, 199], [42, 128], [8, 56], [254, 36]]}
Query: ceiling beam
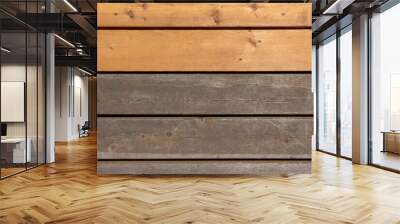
{"points": [[83, 23]]}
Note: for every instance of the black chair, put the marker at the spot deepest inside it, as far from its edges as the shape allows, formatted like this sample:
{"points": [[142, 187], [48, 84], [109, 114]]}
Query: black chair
{"points": [[84, 130]]}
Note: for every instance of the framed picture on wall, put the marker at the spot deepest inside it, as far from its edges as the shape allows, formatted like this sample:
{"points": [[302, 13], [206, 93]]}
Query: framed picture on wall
{"points": [[12, 101]]}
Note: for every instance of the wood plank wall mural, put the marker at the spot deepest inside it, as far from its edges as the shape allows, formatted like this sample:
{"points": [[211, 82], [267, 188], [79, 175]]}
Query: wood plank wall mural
{"points": [[204, 88]]}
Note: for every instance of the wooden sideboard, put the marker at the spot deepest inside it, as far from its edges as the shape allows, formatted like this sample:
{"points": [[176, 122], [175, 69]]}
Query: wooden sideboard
{"points": [[391, 142]]}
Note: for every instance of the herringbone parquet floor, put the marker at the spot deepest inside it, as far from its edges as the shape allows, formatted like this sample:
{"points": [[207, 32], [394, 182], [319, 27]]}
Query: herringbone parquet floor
{"points": [[69, 191]]}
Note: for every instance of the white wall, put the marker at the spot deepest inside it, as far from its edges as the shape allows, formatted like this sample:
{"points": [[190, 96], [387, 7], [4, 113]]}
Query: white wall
{"points": [[80, 109], [62, 82], [70, 84], [17, 73]]}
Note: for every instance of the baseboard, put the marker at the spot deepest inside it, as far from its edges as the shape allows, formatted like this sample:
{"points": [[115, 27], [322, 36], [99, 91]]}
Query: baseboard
{"points": [[205, 167]]}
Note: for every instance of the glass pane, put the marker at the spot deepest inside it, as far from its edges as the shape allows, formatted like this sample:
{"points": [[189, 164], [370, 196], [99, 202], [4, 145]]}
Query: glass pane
{"points": [[41, 98], [32, 87], [22, 89], [386, 89], [346, 93], [14, 153], [32, 95], [327, 96]]}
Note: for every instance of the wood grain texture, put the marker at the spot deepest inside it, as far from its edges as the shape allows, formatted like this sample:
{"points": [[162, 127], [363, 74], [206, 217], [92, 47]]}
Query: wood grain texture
{"points": [[204, 94], [134, 15], [204, 138], [204, 50], [206, 167], [71, 191]]}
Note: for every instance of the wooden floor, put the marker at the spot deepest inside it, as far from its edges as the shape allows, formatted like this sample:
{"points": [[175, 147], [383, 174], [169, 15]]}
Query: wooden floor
{"points": [[386, 159], [69, 191], [5, 172]]}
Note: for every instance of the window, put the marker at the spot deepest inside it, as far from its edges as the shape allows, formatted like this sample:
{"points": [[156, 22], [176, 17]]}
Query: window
{"points": [[22, 78], [385, 89], [327, 95], [346, 74], [335, 74]]}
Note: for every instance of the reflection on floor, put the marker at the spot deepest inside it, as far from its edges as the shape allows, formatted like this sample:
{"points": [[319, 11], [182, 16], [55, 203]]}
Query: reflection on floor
{"points": [[387, 159], [70, 191], [11, 169]]}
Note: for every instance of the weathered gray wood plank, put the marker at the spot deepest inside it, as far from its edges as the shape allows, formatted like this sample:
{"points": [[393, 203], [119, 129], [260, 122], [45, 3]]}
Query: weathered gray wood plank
{"points": [[206, 167], [204, 138], [205, 94]]}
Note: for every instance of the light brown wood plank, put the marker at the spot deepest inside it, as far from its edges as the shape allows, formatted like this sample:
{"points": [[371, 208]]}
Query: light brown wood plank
{"points": [[204, 15], [204, 50]]}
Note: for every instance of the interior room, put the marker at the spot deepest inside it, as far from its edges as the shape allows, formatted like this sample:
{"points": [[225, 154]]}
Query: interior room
{"points": [[199, 111], [22, 99], [385, 90]]}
